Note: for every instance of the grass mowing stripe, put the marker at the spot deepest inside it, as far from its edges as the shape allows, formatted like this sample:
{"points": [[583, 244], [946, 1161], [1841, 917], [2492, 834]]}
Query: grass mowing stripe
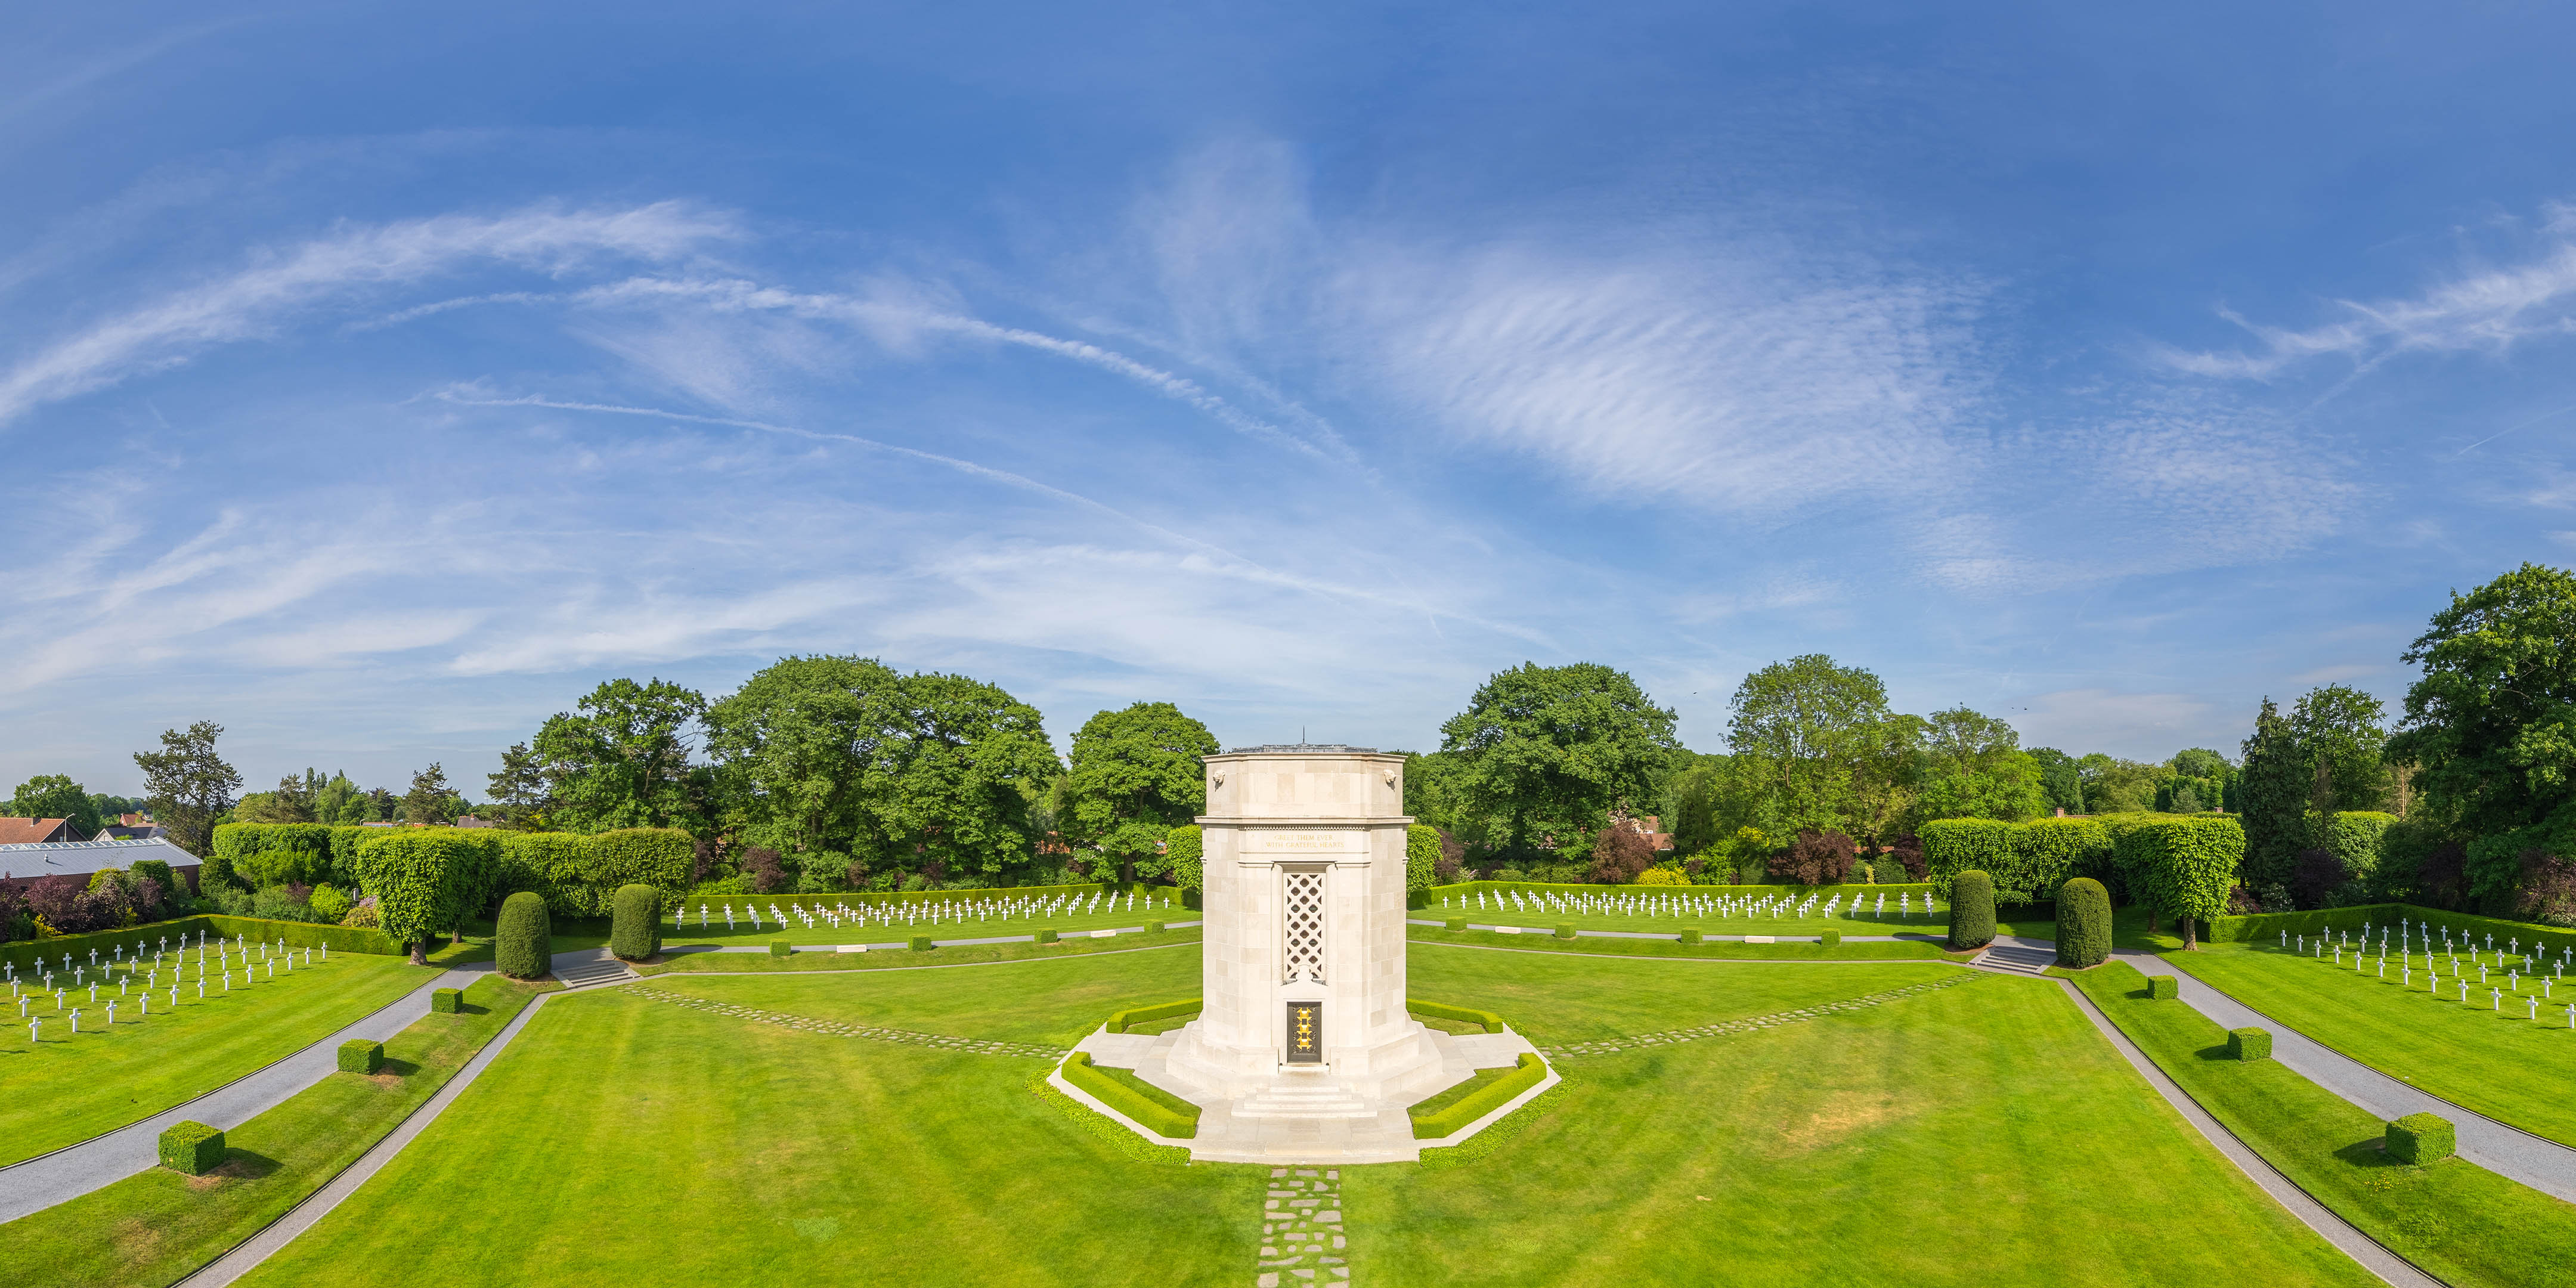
{"points": [[1749, 1024], [2457, 1221], [156, 1227], [844, 1029]]}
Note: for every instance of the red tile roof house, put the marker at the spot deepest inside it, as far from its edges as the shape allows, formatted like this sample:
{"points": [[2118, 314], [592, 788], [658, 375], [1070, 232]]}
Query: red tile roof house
{"points": [[37, 831]]}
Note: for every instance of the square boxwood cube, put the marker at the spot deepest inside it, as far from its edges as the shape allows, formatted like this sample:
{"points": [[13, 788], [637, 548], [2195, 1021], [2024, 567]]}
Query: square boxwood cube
{"points": [[1153, 927], [1565, 930], [2163, 986], [447, 1001], [780, 948], [1691, 935], [2249, 1044], [1831, 939], [1046, 936], [921, 943], [358, 1055], [192, 1148], [1457, 923], [2421, 1139]]}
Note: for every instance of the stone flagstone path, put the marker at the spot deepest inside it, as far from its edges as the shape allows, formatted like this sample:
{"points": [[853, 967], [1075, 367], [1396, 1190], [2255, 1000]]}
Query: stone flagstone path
{"points": [[840, 1028], [1751, 1023], [1302, 1237]]}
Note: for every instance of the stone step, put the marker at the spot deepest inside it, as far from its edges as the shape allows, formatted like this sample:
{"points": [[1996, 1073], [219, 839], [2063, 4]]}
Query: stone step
{"points": [[597, 970], [2016, 957], [1328, 1100]]}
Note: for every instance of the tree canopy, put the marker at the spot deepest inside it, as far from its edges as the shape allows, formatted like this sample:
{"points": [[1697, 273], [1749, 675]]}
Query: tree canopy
{"points": [[621, 758], [1974, 767], [56, 796], [1543, 754], [1136, 775], [188, 785], [1818, 744]]}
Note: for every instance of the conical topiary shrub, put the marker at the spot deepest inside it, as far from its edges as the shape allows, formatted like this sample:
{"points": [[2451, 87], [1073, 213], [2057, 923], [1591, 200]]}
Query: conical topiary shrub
{"points": [[2083, 924], [1972, 910], [635, 923], [523, 940]]}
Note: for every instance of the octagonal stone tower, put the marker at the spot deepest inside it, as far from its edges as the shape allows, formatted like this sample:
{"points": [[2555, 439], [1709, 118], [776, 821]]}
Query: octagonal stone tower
{"points": [[1304, 953]]}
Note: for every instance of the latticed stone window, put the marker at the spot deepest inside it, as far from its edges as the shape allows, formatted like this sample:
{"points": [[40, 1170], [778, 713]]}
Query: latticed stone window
{"points": [[1305, 911]]}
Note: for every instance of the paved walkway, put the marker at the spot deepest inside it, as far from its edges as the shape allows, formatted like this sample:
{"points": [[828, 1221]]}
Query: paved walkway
{"points": [[2388, 1266], [74, 1170], [2508, 1151]]}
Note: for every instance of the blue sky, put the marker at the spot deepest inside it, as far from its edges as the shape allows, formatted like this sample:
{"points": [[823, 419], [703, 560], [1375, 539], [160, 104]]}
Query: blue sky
{"points": [[376, 379]]}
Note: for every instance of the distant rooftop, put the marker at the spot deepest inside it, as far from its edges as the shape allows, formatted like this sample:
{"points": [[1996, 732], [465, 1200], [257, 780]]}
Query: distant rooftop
{"points": [[1303, 746]]}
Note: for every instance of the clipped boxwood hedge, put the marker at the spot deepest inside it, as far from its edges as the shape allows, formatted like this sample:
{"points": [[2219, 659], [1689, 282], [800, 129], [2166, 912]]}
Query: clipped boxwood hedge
{"points": [[1831, 939], [297, 934], [1972, 910], [192, 1148], [523, 940], [1152, 1115], [1488, 1098], [2163, 987], [780, 948], [1565, 930], [1463, 1014], [635, 925], [1122, 1021], [2083, 924], [358, 1055], [1047, 935], [2421, 1138], [447, 1001], [1691, 935], [921, 943], [2249, 1044]]}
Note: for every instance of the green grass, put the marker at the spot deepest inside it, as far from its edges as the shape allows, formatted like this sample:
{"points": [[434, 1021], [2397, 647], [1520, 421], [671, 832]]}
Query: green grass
{"points": [[2502, 1065], [2464, 1224], [66, 1089], [625, 1140], [1897, 950], [1981, 1131], [156, 1227], [903, 959]]}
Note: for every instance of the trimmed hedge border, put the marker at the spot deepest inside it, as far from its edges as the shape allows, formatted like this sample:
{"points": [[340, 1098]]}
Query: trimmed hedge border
{"points": [[297, 934], [1463, 1014], [1492, 1096], [358, 1055], [2421, 1138], [192, 1148], [695, 900], [1122, 1021], [1154, 1117]]}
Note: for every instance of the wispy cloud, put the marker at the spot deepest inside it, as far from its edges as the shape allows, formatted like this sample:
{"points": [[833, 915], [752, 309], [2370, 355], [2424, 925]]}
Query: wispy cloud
{"points": [[2484, 309], [256, 301]]}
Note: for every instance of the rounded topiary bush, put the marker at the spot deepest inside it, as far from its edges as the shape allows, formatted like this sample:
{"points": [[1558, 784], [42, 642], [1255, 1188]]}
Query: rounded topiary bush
{"points": [[1972, 910], [523, 941], [2083, 924], [635, 922]]}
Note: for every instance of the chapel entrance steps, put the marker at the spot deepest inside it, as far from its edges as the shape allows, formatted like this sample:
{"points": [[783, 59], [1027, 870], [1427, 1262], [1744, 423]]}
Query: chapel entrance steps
{"points": [[589, 968], [1294, 1096], [2028, 955]]}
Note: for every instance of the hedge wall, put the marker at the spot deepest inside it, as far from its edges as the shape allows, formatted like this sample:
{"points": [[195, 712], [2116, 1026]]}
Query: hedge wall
{"points": [[426, 879], [577, 874], [1821, 892], [1484, 1100], [2184, 864], [692, 902], [1152, 1115], [2027, 861]]}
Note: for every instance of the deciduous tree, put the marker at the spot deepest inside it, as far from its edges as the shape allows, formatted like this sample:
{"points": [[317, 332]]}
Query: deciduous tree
{"points": [[56, 796], [1542, 754], [1136, 775]]}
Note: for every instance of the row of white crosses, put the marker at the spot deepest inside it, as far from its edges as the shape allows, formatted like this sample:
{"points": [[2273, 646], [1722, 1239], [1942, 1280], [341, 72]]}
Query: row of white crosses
{"points": [[1695, 907], [2509, 959], [961, 908], [125, 972]]}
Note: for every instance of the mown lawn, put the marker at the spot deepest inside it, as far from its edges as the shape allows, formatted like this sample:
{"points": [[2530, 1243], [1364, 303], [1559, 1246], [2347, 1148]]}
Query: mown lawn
{"points": [[2500, 1063], [1538, 917], [905, 958], [64, 1089], [2466, 1225], [1979, 1133], [157, 1226]]}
